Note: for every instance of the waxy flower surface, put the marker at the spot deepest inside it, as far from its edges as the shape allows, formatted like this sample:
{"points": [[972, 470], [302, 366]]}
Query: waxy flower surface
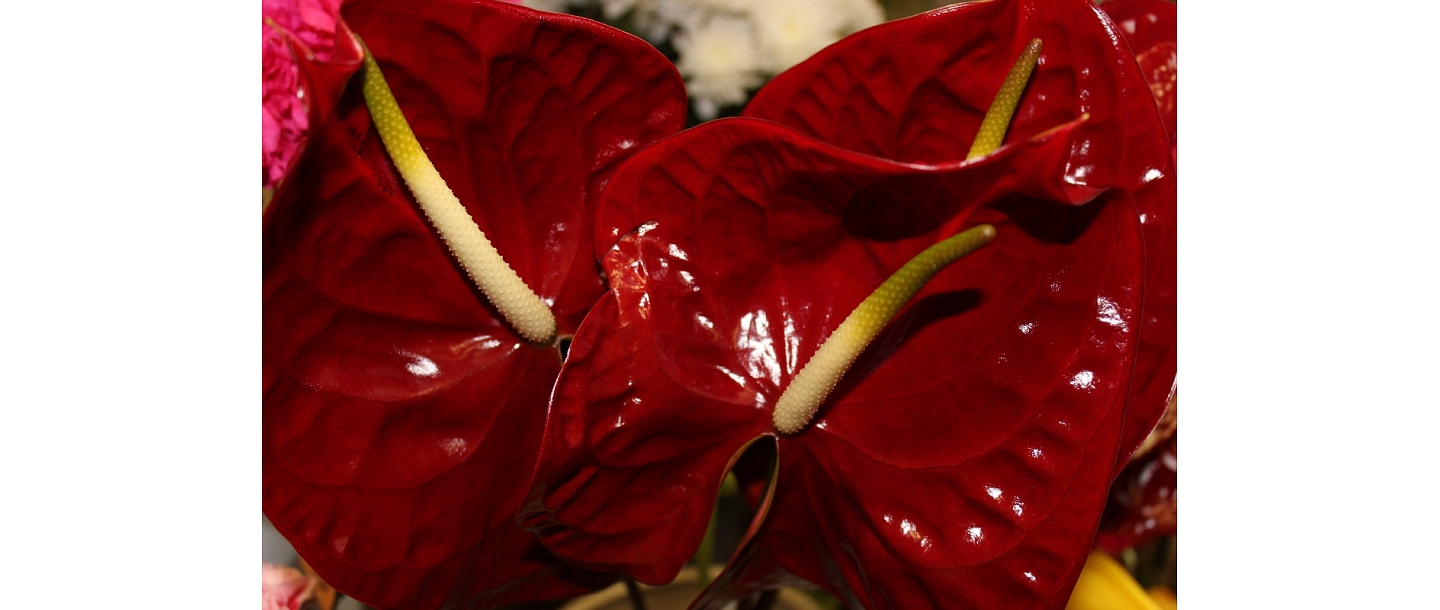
{"points": [[402, 415], [963, 460], [858, 99], [1149, 26]]}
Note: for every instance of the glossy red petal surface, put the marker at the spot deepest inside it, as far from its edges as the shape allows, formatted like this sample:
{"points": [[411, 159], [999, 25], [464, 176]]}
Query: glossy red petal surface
{"points": [[755, 242], [401, 416], [1149, 27], [969, 467], [965, 459], [917, 89]]}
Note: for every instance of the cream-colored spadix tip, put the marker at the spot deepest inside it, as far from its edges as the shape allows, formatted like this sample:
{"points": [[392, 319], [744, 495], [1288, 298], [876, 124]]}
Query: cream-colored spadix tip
{"points": [[813, 384], [518, 304], [1002, 109]]}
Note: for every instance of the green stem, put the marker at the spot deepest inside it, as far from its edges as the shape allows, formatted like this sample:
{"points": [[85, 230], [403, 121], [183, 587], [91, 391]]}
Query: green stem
{"points": [[637, 599], [706, 552]]}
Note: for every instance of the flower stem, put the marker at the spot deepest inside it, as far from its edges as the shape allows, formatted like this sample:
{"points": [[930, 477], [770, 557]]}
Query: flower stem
{"points": [[518, 304], [637, 599], [997, 118], [706, 552], [764, 600], [813, 384]]}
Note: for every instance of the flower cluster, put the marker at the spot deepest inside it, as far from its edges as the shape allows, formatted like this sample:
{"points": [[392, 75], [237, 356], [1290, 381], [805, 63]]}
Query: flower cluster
{"points": [[728, 48], [421, 452], [283, 118]]}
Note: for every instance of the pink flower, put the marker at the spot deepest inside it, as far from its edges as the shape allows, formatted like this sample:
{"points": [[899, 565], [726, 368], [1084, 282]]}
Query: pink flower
{"points": [[283, 588], [283, 117]]}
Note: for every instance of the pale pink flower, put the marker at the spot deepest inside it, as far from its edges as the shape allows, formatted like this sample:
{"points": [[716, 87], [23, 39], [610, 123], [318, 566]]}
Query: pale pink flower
{"points": [[283, 588]]}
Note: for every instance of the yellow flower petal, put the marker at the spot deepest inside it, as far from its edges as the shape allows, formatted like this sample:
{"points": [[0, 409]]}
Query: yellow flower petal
{"points": [[1106, 585], [1164, 598]]}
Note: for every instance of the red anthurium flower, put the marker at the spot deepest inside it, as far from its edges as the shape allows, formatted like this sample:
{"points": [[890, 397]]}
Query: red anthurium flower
{"points": [[1149, 27], [854, 96], [963, 460], [402, 415]]}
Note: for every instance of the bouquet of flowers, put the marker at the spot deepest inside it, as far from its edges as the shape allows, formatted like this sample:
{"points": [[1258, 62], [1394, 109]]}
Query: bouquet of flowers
{"points": [[529, 314]]}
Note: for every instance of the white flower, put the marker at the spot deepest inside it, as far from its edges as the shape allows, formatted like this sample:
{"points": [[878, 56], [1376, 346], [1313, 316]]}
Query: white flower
{"points": [[728, 47], [615, 9], [862, 14], [792, 30], [720, 62]]}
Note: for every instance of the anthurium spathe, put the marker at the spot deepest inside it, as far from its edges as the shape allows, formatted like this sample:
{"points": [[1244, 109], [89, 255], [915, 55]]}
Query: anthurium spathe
{"points": [[402, 413], [1149, 27], [907, 101], [963, 460]]}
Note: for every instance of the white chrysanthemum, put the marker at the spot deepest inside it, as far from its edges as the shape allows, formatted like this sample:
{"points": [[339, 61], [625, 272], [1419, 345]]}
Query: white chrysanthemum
{"points": [[791, 31], [720, 62], [731, 6], [681, 15], [647, 17], [862, 14], [615, 9], [656, 20], [728, 47]]}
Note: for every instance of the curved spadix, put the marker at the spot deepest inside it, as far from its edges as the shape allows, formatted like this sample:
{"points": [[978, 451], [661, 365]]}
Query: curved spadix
{"points": [[518, 304], [812, 385]]}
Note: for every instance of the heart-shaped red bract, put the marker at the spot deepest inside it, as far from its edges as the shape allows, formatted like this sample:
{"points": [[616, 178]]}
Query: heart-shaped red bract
{"points": [[910, 102], [402, 416], [964, 460]]}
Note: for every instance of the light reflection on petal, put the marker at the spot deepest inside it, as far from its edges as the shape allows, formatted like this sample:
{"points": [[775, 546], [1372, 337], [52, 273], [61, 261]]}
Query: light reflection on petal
{"points": [[420, 366], [758, 347], [975, 534], [731, 374], [1110, 313], [454, 447], [792, 343]]}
